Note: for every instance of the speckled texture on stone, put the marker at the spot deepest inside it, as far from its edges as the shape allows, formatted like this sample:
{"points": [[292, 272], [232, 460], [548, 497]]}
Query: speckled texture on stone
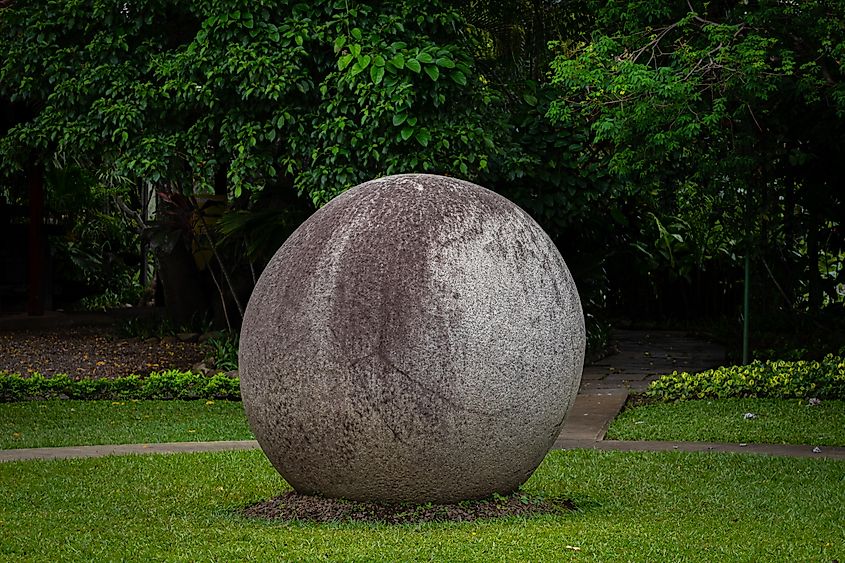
{"points": [[417, 339]]}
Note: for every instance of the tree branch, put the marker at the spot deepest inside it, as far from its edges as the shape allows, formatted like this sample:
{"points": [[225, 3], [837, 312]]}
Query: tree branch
{"points": [[140, 224]]}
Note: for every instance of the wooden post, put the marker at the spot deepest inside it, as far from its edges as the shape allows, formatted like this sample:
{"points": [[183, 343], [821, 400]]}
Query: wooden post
{"points": [[35, 263]]}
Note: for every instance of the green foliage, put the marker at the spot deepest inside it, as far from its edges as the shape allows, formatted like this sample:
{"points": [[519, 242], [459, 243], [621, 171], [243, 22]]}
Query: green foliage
{"points": [[823, 379], [598, 336], [154, 326], [243, 99], [723, 127], [93, 248], [662, 95], [554, 175], [510, 39], [224, 351], [258, 233], [130, 292], [171, 384], [327, 93]]}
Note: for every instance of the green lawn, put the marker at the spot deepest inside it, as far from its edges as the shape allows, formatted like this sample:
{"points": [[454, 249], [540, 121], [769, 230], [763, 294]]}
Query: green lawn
{"points": [[71, 423], [777, 421], [632, 507]]}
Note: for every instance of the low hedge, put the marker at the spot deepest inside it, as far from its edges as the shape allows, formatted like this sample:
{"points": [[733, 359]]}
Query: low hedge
{"points": [[171, 384], [777, 379]]}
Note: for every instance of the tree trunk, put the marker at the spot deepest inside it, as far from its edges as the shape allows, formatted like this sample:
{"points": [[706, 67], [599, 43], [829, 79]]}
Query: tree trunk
{"points": [[35, 262], [185, 296]]}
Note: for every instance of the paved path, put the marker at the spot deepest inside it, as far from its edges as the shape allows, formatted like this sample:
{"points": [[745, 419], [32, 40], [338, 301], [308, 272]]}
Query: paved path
{"points": [[561, 444], [823, 452], [640, 357], [124, 449]]}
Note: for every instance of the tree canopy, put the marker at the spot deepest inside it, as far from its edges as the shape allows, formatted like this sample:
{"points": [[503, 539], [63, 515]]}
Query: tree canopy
{"points": [[207, 93], [656, 142], [727, 119]]}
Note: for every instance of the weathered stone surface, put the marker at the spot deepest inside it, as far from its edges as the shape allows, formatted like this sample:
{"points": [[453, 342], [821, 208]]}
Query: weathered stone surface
{"points": [[418, 339]]}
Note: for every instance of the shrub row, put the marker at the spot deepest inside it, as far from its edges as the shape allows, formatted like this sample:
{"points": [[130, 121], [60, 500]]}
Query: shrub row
{"points": [[777, 379], [171, 384]]}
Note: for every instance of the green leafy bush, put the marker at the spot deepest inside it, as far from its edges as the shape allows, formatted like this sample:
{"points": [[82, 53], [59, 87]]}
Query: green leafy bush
{"points": [[156, 326], [823, 379], [598, 337], [129, 291], [224, 351], [171, 384]]}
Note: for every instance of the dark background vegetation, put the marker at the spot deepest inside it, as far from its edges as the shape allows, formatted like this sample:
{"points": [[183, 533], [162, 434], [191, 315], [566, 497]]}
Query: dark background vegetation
{"points": [[658, 143]]}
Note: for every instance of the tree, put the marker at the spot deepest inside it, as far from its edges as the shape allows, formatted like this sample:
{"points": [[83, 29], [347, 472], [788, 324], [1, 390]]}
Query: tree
{"points": [[233, 98], [254, 90], [730, 109]]}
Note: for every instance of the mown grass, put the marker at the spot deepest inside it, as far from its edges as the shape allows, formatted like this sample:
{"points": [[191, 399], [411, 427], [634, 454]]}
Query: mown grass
{"points": [[72, 423], [632, 507], [776, 421]]}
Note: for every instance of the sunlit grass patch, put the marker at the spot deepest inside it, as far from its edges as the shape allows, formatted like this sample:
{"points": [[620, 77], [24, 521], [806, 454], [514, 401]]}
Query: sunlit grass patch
{"points": [[73, 423], [630, 507], [769, 421]]}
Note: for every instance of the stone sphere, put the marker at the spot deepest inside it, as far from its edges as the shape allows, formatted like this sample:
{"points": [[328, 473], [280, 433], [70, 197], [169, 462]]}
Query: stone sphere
{"points": [[417, 339]]}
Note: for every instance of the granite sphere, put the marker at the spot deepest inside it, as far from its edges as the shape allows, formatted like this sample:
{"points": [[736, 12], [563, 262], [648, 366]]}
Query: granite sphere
{"points": [[417, 339]]}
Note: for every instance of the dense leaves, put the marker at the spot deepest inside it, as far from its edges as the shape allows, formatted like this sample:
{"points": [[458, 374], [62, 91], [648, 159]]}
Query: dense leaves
{"points": [[780, 379], [724, 122], [253, 102], [171, 384], [327, 94], [668, 141]]}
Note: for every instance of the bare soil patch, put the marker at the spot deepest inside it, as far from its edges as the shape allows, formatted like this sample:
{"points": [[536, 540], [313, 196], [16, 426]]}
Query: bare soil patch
{"points": [[292, 506], [91, 352]]}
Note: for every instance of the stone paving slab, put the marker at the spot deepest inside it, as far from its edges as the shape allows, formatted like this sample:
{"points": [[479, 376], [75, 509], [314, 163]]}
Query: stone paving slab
{"points": [[592, 413], [640, 358], [125, 449], [825, 452]]}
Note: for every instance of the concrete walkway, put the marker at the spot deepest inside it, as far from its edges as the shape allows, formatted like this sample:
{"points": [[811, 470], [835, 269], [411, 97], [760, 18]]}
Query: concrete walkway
{"points": [[782, 450], [561, 444], [125, 449], [639, 358]]}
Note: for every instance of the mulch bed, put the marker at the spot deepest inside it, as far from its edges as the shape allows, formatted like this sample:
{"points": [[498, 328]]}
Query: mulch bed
{"points": [[91, 352], [292, 506]]}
